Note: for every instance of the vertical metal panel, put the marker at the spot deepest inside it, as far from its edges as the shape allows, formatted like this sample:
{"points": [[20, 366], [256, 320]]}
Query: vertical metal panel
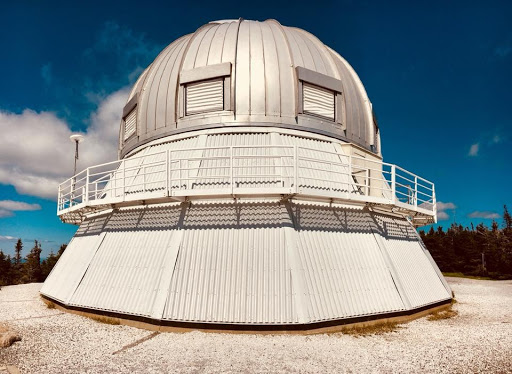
{"points": [[205, 96], [233, 269], [318, 101], [345, 273], [123, 275], [257, 71], [287, 81], [130, 123], [272, 71], [243, 71], [418, 277], [73, 263]]}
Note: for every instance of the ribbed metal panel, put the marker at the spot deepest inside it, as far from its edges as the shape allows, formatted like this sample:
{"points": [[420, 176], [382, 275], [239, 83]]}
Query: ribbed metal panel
{"points": [[130, 123], [263, 56], [418, 277], [246, 263], [233, 268], [124, 274], [318, 101], [205, 97], [344, 271], [73, 263]]}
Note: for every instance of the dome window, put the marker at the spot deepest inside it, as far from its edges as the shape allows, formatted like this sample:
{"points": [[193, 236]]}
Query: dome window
{"points": [[206, 96], [318, 101], [320, 96], [205, 89], [130, 124]]}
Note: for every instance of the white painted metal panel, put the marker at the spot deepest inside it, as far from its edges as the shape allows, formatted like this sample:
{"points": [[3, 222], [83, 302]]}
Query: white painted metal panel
{"points": [[205, 96], [124, 274], [69, 270], [232, 269], [344, 271], [130, 123], [318, 101], [418, 277]]}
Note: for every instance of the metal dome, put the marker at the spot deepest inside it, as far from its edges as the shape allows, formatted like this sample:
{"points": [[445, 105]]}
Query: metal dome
{"points": [[264, 65]]}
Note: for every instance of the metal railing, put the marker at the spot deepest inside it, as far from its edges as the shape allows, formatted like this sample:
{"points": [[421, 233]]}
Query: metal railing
{"points": [[247, 171]]}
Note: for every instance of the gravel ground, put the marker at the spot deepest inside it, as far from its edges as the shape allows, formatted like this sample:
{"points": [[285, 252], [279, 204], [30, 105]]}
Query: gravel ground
{"points": [[479, 339]]}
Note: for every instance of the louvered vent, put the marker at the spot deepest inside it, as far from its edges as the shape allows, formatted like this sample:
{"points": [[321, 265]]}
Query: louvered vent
{"points": [[130, 123], [318, 101], [204, 97]]}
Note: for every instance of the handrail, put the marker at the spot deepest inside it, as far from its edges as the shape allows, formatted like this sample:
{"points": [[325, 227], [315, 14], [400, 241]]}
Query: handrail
{"points": [[298, 171]]}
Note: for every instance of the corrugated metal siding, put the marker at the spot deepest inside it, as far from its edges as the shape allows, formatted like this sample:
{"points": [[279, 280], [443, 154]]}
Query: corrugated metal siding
{"points": [[318, 101], [245, 263], [205, 96], [345, 273], [418, 277], [124, 274], [68, 272], [232, 269]]}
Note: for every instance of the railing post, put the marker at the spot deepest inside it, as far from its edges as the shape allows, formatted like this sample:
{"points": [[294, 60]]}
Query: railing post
{"points": [[87, 185], [367, 182], [434, 202], [393, 183], [415, 191], [231, 169], [295, 169]]}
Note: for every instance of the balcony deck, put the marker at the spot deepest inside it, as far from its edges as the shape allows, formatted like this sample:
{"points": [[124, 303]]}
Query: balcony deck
{"points": [[247, 171]]}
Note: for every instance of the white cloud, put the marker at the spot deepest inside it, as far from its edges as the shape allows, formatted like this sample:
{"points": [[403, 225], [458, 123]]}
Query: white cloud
{"points": [[445, 206], [36, 154], [473, 150], [484, 214], [5, 213], [442, 215], [18, 205], [7, 237]]}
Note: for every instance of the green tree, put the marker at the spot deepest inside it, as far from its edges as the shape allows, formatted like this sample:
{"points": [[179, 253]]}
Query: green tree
{"points": [[5, 269], [32, 266], [48, 264]]}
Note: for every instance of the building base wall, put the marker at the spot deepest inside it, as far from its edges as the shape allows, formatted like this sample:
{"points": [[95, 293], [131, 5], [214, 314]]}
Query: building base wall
{"points": [[264, 264]]}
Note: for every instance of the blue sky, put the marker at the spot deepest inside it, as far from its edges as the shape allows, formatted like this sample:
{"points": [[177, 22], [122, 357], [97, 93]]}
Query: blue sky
{"points": [[439, 75]]}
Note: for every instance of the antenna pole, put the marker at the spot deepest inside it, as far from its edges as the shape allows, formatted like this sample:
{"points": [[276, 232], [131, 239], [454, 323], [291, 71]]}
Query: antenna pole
{"points": [[76, 155]]}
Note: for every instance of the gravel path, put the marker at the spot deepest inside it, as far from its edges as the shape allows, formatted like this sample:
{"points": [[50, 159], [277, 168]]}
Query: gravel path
{"points": [[479, 339]]}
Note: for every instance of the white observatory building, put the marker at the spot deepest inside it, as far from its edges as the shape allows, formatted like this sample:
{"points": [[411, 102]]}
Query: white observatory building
{"points": [[250, 193]]}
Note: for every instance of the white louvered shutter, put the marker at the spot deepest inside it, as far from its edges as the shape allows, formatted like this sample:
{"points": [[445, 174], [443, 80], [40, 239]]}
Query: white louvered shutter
{"points": [[318, 101], [205, 97], [130, 123]]}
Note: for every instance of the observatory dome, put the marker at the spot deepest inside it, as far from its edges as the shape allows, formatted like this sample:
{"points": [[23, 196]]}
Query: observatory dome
{"points": [[248, 73], [250, 193]]}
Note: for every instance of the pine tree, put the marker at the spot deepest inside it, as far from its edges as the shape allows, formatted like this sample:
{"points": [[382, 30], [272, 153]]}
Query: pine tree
{"points": [[5, 269], [48, 264], [17, 252], [33, 265]]}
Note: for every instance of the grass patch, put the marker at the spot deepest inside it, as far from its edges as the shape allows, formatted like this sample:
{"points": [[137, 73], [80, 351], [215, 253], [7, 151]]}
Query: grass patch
{"points": [[444, 314], [49, 304], [106, 320], [377, 329], [461, 275]]}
